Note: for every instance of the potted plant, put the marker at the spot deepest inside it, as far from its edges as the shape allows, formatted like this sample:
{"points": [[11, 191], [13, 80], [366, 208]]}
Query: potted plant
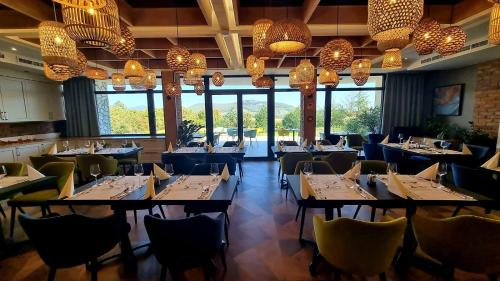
{"points": [[186, 130]]}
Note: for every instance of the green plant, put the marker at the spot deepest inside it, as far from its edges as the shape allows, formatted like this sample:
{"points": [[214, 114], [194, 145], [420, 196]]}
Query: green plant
{"points": [[471, 135], [186, 130]]}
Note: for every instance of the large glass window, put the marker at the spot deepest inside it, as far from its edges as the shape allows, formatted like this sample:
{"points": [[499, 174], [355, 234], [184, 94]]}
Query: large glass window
{"points": [[225, 118], [320, 114], [193, 108], [255, 124], [287, 115], [122, 114], [159, 116]]}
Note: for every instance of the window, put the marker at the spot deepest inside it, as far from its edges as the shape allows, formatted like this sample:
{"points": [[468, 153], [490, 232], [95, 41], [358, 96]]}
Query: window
{"points": [[122, 114], [159, 117], [287, 115], [193, 108], [320, 114]]}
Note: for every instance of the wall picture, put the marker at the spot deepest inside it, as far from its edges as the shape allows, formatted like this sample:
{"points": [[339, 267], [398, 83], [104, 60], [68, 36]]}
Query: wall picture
{"points": [[447, 100]]}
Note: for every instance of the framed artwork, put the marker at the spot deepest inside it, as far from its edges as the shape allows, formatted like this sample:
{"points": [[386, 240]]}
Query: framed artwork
{"points": [[447, 100]]}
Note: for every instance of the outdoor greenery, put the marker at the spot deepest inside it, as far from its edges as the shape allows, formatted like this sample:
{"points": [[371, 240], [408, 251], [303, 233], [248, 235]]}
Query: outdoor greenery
{"points": [[186, 130]]}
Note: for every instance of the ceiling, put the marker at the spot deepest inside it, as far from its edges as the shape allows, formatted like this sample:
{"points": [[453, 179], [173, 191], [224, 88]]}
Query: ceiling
{"points": [[221, 29]]}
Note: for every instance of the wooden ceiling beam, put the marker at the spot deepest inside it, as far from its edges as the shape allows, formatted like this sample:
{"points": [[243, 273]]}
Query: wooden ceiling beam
{"points": [[126, 13], [207, 11], [308, 7], [12, 19], [223, 47], [280, 62], [34, 9]]}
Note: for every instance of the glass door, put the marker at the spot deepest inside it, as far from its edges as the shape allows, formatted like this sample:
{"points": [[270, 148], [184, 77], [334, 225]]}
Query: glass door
{"points": [[255, 127], [225, 118]]}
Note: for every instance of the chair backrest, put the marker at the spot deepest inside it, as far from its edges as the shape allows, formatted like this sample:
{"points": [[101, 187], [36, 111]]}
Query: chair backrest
{"points": [[476, 180], [375, 138], [372, 151], [290, 143], [466, 242], [333, 138], [39, 161], [481, 153], [373, 167], [178, 244], [341, 162], [182, 163], [70, 240], [108, 165], [203, 169], [324, 142], [13, 169], [230, 144], [289, 161], [224, 159], [232, 132], [61, 170], [250, 133], [358, 247], [319, 167], [393, 155], [195, 144], [355, 140]]}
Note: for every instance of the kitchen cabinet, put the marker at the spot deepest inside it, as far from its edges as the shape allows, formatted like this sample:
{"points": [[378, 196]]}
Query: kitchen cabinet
{"points": [[7, 155], [24, 152], [12, 100]]}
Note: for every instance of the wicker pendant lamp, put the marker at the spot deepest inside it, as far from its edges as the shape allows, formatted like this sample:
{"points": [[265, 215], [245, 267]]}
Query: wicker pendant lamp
{"points": [[218, 79], [126, 45], [81, 64], [82, 4], [336, 55], [391, 19], [54, 76], [308, 89], [305, 71], [57, 48], [452, 40], [173, 89], [133, 68], [426, 36], [260, 49], [96, 73], [178, 59], [254, 79], [137, 83], [495, 1], [288, 36], [198, 63], [360, 71], [199, 88], [96, 27], [494, 26], [264, 82], [190, 78], [255, 66], [398, 43], [149, 79], [118, 81], [293, 78], [328, 78], [392, 59]]}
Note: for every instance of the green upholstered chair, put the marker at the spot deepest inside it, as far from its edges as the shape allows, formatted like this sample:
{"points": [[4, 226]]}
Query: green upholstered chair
{"points": [[289, 161], [355, 141], [130, 161], [108, 165], [341, 162], [466, 242], [357, 247], [14, 169], [62, 171], [39, 161], [319, 167], [373, 167]]}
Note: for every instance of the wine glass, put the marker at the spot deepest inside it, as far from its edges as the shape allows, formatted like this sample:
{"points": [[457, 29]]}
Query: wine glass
{"points": [[138, 171], [178, 142], [214, 170], [66, 145], [124, 143], [169, 169], [392, 167], [308, 168], [442, 171], [87, 144], [95, 171], [443, 144], [3, 172], [401, 138]]}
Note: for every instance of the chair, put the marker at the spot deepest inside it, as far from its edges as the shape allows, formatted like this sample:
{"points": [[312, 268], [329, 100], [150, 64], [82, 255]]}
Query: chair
{"points": [[203, 169], [108, 165], [375, 138], [251, 134], [480, 153], [290, 143], [72, 240], [182, 163], [282, 132], [178, 245], [468, 242], [289, 161], [62, 171], [357, 247], [373, 167], [232, 132], [355, 141], [333, 138], [476, 180], [372, 151], [230, 144], [130, 161], [13, 170], [341, 162], [39, 161], [195, 144], [224, 159], [323, 142]]}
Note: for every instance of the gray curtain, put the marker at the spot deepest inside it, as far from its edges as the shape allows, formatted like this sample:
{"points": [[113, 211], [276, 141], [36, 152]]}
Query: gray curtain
{"points": [[404, 101], [81, 113]]}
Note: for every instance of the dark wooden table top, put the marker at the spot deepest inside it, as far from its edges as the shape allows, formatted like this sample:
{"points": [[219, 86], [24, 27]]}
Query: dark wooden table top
{"points": [[27, 186]]}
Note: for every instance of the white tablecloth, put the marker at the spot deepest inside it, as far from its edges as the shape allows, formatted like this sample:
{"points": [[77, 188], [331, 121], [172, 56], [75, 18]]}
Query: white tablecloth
{"points": [[190, 188], [112, 188], [337, 187]]}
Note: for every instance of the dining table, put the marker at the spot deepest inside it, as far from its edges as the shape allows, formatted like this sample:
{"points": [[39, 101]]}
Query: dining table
{"points": [[435, 154], [315, 151], [115, 152]]}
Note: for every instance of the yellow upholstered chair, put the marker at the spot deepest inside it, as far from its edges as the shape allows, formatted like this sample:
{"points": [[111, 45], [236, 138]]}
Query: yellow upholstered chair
{"points": [[467, 242], [39, 161], [13, 170], [357, 247], [108, 165]]}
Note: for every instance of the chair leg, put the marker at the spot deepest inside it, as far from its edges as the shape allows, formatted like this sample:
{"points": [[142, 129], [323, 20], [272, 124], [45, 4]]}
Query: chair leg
{"points": [[3, 212], [226, 215], [93, 270], [135, 216], [382, 277], [49, 211], [163, 275], [316, 260], [302, 221], [339, 212], [162, 212], [12, 220], [372, 216], [223, 258], [188, 215], [298, 212], [455, 213], [150, 211], [492, 277], [52, 274], [384, 211], [71, 209], [44, 211], [356, 212]]}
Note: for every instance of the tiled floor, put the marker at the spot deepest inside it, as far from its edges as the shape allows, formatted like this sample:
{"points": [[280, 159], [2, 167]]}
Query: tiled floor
{"points": [[263, 236]]}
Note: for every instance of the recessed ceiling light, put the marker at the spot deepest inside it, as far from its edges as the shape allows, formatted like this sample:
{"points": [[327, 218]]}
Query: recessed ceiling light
{"points": [[13, 49]]}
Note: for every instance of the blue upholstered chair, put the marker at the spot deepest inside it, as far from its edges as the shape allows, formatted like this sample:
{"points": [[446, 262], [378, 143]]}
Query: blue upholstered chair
{"points": [[375, 138], [373, 151]]}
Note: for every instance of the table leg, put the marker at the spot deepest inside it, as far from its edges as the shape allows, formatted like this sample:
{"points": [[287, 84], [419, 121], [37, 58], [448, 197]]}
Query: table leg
{"points": [[409, 241], [127, 253], [329, 213]]}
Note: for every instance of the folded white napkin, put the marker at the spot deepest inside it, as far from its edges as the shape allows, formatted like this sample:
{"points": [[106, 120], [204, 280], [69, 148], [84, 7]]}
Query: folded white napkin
{"points": [[150, 187], [91, 149], [340, 142], [68, 189], [160, 173], [34, 174], [406, 145], [396, 186], [242, 144], [351, 174], [429, 173], [210, 149], [280, 147], [304, 144], [385, 140], [53, 149], [170, 149], [466, 150], [305, 188], [319, 146], [225, 173], [98, 145], [133, 144], [492, 163]]}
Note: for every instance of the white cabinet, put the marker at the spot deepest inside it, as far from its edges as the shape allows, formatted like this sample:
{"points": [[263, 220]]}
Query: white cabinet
{"points": [[7, 155], [24, 152], [12, 100]]}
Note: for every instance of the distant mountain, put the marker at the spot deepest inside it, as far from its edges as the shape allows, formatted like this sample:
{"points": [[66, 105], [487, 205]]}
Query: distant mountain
{"points": [[253, 106]]}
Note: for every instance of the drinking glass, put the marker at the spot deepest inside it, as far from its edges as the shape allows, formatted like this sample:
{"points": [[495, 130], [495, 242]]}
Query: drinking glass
{"points": [[66, 145], [214, 169], [308, 168], [124, 143], [178, 142], [3, 172], [95, 171], [392, 167], [401, 138], [442, 171], [443, 144], [87, 144], [138, 171], [169, 169]]}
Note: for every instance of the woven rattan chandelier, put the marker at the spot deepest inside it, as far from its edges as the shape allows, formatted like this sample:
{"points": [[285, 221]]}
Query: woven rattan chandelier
{"points": [[328, 78], [390, 19], [264, 82], [57, 48], [308, 89], [96, 73], [133, 68], [126, 45], [494, 26], [178, 59], [305, 71], [392, 59], [426, 36], [83, 4], [254, 79], [199, 88], [452, 40], [288, 36], [218, 79], [360, 71], [137, 83], [260, 49], [293, 78], [81, 64], [336, 55], [198, 63], [173, 89], [96, 27], [190, 78], [118, 81], [54, 76], [398, 43], [255, 66], [149, 79]]}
